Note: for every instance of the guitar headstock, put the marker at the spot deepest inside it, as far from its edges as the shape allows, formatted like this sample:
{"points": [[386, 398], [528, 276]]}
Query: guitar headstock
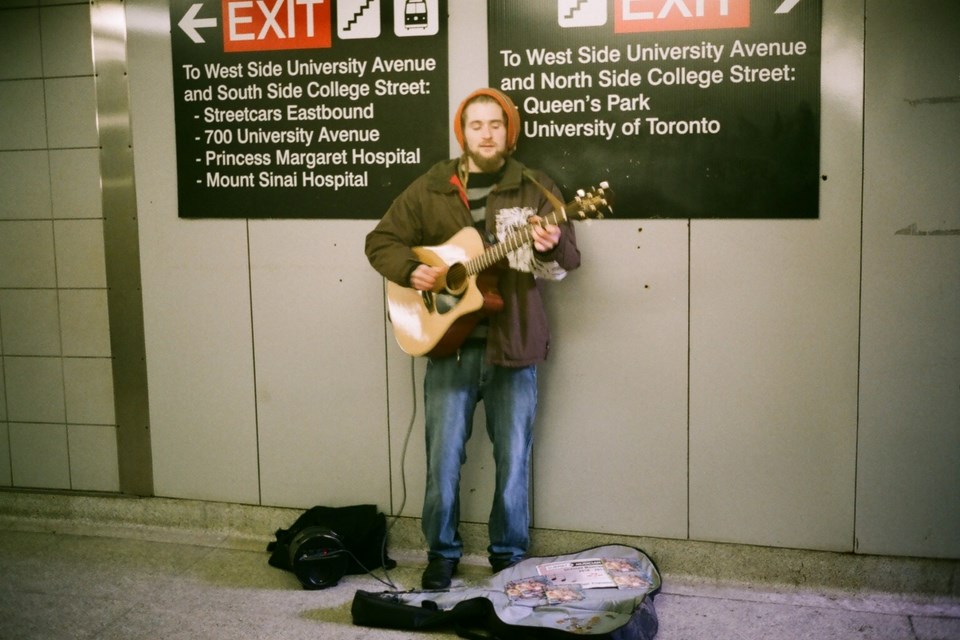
{"points": [[592, 204]]}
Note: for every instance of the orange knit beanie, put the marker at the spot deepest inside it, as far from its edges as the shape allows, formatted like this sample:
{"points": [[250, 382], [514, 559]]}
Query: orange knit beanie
{"points": [[510, 109]]}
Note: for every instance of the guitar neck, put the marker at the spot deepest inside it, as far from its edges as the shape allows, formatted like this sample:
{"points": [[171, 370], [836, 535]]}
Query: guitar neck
{"points": [[515, 240]]}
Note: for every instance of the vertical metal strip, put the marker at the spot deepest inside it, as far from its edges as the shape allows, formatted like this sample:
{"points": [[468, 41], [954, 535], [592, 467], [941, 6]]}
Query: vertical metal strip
{"points": [[122, 246]]}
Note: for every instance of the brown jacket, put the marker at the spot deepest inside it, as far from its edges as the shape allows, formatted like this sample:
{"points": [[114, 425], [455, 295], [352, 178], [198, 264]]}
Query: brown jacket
{"points": [[431, 210]]}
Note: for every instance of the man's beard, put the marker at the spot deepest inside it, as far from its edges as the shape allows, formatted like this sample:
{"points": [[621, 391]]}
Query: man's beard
{"points": [[487, 164]]}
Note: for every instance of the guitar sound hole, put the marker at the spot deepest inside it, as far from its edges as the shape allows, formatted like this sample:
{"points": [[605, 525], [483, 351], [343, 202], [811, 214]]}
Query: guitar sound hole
{"points": [[456, 279]]}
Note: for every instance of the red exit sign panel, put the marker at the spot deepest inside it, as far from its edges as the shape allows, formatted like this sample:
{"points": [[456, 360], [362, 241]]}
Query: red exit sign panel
{"points": [[640, 16], [272, 25]]}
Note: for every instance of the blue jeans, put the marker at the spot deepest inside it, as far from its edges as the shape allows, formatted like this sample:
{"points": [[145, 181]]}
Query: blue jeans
{"points": [[452, 388]]}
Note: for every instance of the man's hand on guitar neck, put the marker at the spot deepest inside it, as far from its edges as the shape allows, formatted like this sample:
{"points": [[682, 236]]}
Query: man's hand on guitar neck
{"points": [[424, 277], [545, 236]]}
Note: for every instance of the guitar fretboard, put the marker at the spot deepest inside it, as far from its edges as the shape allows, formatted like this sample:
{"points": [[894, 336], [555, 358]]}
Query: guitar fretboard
{"points": [[515, 240]]}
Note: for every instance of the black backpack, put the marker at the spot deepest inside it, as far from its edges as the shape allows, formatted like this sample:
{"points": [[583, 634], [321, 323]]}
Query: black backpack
{"points": [[326, 543], [605, 592]]}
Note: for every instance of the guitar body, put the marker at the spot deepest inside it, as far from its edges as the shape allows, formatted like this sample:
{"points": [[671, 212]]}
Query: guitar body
{"points": [[436, 323]]}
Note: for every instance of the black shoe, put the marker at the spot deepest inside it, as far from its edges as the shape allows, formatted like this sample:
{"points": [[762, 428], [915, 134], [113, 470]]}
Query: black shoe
{"points": [[438, 573], [499, 564]]}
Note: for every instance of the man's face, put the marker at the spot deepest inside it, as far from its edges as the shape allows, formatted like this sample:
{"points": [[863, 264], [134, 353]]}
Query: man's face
{"points": [[484, 136]]}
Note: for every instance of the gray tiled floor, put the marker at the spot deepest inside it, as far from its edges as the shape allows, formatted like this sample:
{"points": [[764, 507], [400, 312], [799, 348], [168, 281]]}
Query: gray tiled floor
{"points": [[74, 585]]}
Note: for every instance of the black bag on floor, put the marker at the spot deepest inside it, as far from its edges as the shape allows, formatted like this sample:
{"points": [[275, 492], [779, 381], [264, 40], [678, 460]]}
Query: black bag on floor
{"points": [[606, 592], [326, 543]]}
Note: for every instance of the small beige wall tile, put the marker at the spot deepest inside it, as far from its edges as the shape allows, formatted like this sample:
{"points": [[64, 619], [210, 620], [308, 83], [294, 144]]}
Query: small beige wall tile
{"points": [[34, 389], [67, 45], [26, 254], [20, 44], [88, 387], [80, 254], [85, 321], [71, 112], [93, 458], [75, 179], [38, 455], [22, 101], [29, 322], [25, 185]]}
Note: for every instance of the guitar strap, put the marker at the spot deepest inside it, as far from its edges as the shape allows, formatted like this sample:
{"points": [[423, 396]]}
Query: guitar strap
{"points": [[458, 180], [555, 202]]}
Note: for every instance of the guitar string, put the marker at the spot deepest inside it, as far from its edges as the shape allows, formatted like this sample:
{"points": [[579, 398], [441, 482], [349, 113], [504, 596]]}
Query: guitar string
{"points": [[498, 252], [523, 236]]}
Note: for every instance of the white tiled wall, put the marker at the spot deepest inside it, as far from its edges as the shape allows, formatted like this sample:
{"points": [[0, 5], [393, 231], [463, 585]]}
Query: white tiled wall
{"points": [[57, 422]]}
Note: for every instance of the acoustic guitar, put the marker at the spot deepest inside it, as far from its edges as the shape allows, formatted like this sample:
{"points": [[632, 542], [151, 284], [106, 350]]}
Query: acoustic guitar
{"points": [[435, 323]]}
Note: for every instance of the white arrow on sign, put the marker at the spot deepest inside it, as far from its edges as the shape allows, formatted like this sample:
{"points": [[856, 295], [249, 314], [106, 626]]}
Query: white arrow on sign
{"points": [[787, 6], [190, 23]]}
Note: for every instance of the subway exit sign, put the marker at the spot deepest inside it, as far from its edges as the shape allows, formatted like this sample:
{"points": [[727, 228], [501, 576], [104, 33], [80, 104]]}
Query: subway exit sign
{"points": [[273, 25]]}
